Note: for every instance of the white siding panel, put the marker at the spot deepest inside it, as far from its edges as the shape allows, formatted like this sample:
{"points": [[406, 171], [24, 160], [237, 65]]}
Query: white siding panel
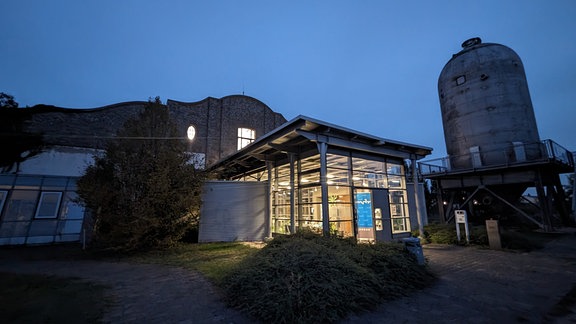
{"points": [[233, 211], [412, 205]]}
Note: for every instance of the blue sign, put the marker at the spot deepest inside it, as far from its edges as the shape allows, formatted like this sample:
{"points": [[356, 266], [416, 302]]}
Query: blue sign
{"points": [[364, 209]]}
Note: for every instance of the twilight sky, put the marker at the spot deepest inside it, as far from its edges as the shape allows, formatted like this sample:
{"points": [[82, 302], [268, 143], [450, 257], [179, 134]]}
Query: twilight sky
{"points": [[371, 66]]}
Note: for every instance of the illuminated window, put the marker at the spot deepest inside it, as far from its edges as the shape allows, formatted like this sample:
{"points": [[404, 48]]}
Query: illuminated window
{"points": [[49, 205], [245, 137]]}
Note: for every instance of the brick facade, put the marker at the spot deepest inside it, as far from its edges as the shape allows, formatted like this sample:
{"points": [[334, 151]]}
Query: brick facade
{"points": [[216, 122]]}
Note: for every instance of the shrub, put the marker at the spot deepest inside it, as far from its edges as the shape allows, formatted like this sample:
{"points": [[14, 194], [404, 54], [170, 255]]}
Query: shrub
{"points": [[307, 278], [446, 234]]}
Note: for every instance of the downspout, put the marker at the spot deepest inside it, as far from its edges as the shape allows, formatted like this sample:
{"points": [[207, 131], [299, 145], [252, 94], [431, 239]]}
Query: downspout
{"points": [[269, 167], [417, 198], [322, 149], [292, 205]]}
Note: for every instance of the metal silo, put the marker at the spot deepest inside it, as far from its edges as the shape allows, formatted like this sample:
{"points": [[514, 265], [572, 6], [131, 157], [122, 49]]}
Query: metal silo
{"points": [[494, 150], [486, 107]]}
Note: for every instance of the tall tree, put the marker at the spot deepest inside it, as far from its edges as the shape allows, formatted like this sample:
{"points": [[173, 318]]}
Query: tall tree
{"points": [[17, 143], [7, 101], [143, 191]]}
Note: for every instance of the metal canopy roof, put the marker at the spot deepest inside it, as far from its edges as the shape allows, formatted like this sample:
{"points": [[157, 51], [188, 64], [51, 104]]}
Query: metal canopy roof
{"points": [[301, 135]]}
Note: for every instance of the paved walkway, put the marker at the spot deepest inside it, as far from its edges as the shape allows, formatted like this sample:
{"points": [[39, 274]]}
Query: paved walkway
{"points": [[487, 286], [474, 286]]}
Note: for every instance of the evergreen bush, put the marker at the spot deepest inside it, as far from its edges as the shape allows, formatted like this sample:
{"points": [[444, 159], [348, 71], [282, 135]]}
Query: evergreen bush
{"points": [[308, 278]]}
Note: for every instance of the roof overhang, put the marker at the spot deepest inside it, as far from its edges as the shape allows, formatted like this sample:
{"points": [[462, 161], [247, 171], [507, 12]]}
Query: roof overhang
{"points": [[302, 134]]}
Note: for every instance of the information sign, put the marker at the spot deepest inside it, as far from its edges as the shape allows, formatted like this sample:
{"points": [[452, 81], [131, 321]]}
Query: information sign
{"points": [[462, 218], [364, 209]]}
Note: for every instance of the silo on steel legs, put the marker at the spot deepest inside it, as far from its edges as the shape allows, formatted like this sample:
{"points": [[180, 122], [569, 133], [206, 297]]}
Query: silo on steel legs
{"points": [[486, 107], [494, 149]]}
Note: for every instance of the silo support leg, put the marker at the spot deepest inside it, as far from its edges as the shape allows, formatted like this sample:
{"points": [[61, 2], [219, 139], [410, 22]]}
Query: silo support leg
{"points": [[560, 199], [544, 206], [515, 208]]}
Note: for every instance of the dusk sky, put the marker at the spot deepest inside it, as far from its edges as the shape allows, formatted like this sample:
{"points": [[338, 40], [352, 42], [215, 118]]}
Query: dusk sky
{"points": [[371, 66]]}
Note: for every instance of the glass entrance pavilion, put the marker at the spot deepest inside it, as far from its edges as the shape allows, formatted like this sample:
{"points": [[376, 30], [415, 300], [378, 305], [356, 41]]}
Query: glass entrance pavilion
{"points": [[332, 180]]}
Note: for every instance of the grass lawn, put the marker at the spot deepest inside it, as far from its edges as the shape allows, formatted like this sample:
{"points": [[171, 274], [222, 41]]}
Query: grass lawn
{"points": [[26, 298], [213, 260]]}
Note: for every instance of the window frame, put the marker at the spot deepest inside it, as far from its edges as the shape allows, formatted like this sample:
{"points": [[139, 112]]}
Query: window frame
{"points": [[3, 200], [244, 141], [41, 200]]}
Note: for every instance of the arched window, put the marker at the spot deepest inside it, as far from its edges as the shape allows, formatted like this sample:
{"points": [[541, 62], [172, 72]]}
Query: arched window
{"points": [[245, 137]]}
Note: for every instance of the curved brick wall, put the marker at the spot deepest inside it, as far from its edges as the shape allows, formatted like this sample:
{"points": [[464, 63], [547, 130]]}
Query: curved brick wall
{"points": [[216, 122]]}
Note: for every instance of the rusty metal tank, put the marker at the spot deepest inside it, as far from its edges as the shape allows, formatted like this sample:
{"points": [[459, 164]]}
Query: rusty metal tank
{"points": [[487, 112]]}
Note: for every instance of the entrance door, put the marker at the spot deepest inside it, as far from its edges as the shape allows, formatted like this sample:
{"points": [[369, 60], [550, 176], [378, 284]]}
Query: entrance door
{"points": [[382, 220]]}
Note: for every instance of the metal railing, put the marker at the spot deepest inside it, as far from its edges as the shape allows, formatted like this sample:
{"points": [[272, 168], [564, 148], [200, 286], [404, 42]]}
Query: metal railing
{"points": [[517, 154]]}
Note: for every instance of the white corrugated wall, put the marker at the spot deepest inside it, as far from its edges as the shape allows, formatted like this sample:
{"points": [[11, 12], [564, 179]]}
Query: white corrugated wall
{"points": [[233, 211]]}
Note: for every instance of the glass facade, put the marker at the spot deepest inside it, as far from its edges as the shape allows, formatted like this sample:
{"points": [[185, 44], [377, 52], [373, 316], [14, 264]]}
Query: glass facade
{"points": [[347, 175], [39, 209]]}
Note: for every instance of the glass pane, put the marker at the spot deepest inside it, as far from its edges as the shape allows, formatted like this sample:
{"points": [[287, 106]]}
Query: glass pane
{"points": [[71, 209], [315, 226], [371, 180], [394, 168], [54, 183], [27, 182], [310, 163], [71, 227], [3, 195], [310, 212], [337, 176], [396, 182], [283, 170], [49, 204], [72, 184], [338, 194], [343, 228], [6, 181], [337, 161], [14, 229], [281, 225], [43, 227], [398, 225], [359, 164], [340, 212], [310, 178], [21, 205]]}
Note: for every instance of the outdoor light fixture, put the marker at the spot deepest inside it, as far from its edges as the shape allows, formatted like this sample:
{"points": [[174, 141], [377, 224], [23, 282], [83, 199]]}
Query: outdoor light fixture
{"points": [[191, 133]]}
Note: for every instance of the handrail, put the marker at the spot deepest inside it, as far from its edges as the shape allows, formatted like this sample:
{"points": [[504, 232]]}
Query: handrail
{"points": [[547, 151]]}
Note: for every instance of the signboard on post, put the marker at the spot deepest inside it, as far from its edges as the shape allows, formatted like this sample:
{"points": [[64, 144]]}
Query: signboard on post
{"points": [[462, 218]]}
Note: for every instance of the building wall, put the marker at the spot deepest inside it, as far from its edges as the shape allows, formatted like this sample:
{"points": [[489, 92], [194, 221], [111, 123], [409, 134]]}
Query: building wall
{"points": [[216, 122]]}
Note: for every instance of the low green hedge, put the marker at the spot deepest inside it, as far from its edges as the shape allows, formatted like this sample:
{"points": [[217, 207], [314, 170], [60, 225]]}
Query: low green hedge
{"points": [[511, 239], [307, 278], [446, 234]]}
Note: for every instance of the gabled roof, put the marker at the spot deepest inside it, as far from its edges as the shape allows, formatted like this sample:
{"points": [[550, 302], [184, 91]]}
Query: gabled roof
{"points": [[302, 134]]}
